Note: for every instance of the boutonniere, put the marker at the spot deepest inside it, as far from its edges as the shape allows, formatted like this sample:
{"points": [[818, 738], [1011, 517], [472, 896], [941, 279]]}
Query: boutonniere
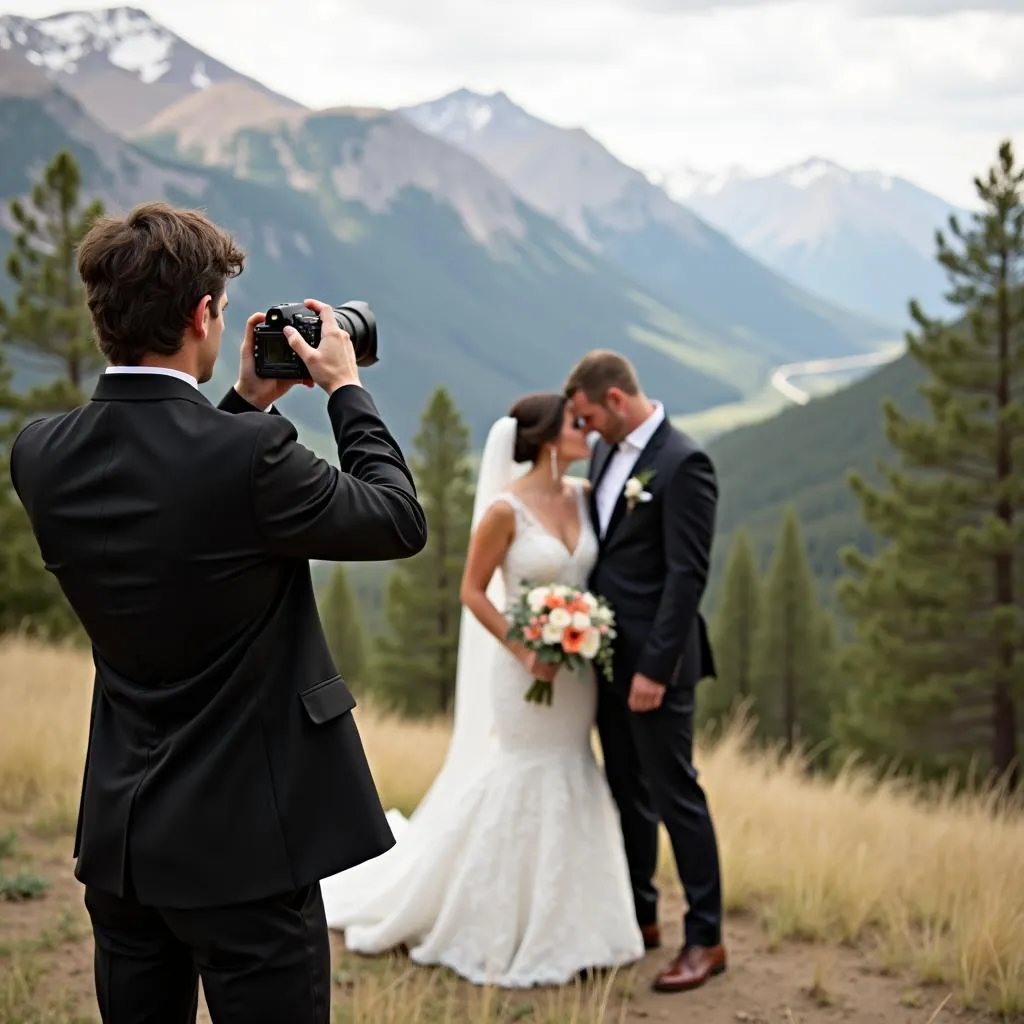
{"points": [[636, 491]]}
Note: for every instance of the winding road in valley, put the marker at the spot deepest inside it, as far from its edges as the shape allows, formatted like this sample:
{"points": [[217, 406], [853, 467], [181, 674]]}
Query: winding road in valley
{"points": [[812, 367]]}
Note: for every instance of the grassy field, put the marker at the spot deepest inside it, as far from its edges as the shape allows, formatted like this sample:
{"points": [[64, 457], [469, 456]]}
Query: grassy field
{"points": [[848, 901]]}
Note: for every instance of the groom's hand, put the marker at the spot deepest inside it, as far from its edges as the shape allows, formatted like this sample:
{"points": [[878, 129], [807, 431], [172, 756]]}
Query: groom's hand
{"points": [[645, 694]]}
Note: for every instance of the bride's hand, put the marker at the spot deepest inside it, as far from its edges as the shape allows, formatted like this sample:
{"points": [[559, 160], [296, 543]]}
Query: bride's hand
{"points": [[545, 671], [542, 670]]}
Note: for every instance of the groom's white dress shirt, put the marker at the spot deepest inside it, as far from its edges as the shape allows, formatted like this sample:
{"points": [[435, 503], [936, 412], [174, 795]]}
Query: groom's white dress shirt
{"points": [[167, 371], [621, 465]]}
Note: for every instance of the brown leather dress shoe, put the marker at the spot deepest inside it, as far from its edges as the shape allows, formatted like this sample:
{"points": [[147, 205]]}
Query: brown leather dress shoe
{"points": [[652, 936], [692, 968]]}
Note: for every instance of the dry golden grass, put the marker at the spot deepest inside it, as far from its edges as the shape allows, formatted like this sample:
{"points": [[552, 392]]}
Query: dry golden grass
{"points": [[934, 885], [397, 993], [45, 693]]}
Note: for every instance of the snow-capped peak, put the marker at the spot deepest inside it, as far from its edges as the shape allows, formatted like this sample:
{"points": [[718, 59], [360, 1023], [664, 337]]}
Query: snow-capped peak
{"points": [[686, 184], [682, 183], [127, 37], [464, 115], [816, 169], [462, 112]]}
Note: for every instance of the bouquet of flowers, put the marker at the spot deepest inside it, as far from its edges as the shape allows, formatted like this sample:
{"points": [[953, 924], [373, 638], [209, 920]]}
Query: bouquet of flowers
{"points": [[564, 626]]}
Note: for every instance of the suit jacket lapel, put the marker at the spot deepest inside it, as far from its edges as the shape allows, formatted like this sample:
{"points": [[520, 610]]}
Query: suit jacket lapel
{"points": [[644, 461], [598, 464]]}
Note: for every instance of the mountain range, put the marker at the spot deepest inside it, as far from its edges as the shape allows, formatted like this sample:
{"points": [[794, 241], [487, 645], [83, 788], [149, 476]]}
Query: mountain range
{"points": [[490, 300], [494, 246], [861, 239], [615, 211]]}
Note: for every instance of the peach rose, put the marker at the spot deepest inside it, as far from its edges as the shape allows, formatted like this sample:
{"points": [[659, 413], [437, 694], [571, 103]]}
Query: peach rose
{"points": [[572, 640]]}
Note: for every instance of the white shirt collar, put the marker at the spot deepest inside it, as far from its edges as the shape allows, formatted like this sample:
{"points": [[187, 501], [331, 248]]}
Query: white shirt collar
{"points": [[166, 370], [639, 437]]}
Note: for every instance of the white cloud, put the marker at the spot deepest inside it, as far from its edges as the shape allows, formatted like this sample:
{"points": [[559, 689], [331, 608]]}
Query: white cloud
{"points": [[755, 83], [935, 8], [918, 8]]}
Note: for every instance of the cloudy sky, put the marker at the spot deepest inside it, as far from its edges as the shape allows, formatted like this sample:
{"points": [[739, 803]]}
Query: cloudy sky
{"points": [[922, 88]]}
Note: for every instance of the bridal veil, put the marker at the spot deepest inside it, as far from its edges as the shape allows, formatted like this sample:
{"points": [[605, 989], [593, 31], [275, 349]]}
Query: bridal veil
{"points": [[363, 893]]}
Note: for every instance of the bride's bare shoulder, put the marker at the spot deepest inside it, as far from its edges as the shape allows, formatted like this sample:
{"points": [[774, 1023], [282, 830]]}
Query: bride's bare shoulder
{"points": [[500, 512], [580, 482]]}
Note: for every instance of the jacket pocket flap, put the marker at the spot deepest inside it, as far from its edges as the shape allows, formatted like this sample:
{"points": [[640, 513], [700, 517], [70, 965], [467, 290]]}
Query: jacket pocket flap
{"points": [[327, 700]]}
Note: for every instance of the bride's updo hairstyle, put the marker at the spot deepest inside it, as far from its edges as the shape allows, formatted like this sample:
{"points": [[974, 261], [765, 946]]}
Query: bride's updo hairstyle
{"points": [[539, 418]]}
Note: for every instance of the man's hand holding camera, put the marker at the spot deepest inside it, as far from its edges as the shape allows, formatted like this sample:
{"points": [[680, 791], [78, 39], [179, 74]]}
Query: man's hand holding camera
{"points": [[260, 392], [331, 365]]}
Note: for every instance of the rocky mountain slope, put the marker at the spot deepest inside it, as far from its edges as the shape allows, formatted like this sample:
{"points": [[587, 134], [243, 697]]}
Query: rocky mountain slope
{"points": [[862, 239], [120, 63], [615, 211]]}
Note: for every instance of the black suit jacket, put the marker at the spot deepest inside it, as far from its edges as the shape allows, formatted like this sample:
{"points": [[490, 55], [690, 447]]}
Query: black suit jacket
{"points": [[653, 561], [223, 762]]}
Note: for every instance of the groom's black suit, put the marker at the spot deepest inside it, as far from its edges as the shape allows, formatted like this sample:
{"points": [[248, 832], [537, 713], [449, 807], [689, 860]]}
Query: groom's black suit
{"points": [[224, 776], [652, 568]]}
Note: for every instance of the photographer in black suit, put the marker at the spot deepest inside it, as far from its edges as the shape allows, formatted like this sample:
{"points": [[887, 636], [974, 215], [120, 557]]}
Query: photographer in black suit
{"points": [[224, 776]]}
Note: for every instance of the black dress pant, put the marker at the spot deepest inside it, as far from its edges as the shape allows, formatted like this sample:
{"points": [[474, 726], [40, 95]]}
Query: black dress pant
{"points": [[265, 962], [648, 760]]}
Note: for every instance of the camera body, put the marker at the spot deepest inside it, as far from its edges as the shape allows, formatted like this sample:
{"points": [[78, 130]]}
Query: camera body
{"points": [[275, 358]]}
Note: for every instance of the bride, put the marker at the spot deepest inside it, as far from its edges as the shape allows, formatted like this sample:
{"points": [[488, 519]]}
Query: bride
{"points": [[511, 872]]}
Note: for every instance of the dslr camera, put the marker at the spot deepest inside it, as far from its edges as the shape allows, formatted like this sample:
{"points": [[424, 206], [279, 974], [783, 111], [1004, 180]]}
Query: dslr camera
{"points": [[273, 355]]}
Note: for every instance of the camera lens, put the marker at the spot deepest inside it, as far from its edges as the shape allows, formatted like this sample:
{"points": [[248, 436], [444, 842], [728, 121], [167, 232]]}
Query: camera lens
{"points": [[357, 320]]}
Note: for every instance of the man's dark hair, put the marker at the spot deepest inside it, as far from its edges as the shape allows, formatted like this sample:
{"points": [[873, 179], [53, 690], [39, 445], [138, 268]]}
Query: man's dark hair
{"points": [[600, 370], [145, 273]]}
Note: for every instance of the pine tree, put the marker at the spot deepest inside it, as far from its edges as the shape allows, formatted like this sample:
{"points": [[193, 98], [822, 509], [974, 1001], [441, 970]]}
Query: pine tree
{"points": [[830, 691], [939, 663], [828, 650], [30, 599], [788, 687], [343, 628], [416, 668], [733, 634], [49, 320]]}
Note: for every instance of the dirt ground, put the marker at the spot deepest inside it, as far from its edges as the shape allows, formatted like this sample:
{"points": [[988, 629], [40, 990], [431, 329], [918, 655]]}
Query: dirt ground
{"points": [[792, 984]]}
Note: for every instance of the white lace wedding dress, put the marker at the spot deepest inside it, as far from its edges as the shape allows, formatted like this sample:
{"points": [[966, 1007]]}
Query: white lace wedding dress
{"points": [[519, 878]]}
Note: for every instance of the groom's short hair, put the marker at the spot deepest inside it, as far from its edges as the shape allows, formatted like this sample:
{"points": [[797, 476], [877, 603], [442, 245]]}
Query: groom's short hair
{"points": [[145, 273], [600, 370]]}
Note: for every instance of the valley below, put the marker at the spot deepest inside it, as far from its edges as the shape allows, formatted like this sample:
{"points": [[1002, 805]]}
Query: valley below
{"points": [[787, 385]]}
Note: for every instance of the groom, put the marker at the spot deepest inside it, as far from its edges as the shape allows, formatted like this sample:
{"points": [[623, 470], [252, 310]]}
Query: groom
{"points": [[224, 775], [653, 504]]}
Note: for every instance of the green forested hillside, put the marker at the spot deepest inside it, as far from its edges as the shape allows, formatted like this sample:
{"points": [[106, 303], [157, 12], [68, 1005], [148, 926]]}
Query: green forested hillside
{"points": [[802, 457]]}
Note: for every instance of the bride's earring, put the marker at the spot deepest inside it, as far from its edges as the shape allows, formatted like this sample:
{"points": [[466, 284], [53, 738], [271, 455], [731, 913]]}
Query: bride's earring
{"points": [[553, 459]]}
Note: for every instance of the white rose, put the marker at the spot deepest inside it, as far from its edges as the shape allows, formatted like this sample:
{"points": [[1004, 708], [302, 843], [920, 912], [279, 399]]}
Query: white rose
{"points": [[551, 634], [590, 601], [581, 621], [602, 615], [536, 598], [591, 644], [560, 618], [561, 590], [634, 488]]}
